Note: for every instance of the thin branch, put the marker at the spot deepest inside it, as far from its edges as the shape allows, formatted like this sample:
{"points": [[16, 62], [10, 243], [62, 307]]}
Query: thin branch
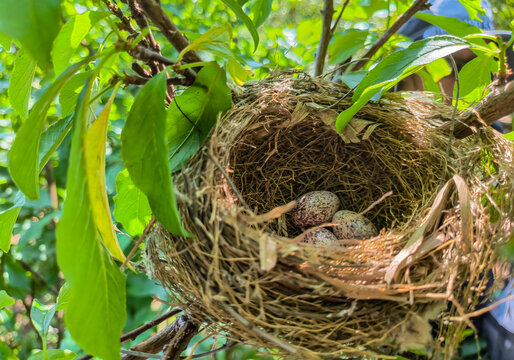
{"points": [[38, 277], [402, 19], [136, 332], [227, 346], [139, 242], [125, 21], [131, 335], [491, 109], [334, 27], [328, 13], [170, 31], [138, 80], [141, 52]]}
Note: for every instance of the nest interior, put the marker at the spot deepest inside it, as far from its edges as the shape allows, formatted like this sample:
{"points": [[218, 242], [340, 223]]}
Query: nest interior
{"points": [[442, 205]]}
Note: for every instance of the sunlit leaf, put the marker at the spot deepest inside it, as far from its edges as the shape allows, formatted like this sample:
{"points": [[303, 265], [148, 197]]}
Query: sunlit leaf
{"points": [[238, 72], [51, 138], [53, 354], [131, 206], [69, 38], [64, 297], [216, 38], [21, 83], [236, 8], [260, 11], [35, 23], [192, 115], [5, 299], [23, 156], [451, 25], [346, 44], [144, 152], [95, 312], [474, 79], [474, 8], [70, 92], [398, 66], [7, 220], [94, 155], [5, 41], [41, 317]]}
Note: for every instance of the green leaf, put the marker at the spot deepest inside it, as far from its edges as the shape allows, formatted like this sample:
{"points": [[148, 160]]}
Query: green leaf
{"points": [[237, 71], [451, 25], [64, 297], [7, 220], [51, 138], [192, 115], [398, 66], [95, 312], [69, 38], [236, 8], [94, 155], [509, 136], [35, 23], [131, 206], [473, 7], [5, 300], [5, 42], [216, 39], [438, 69], [260, 10], [21, 83], [143, 141], [70, 92], [346, 44], [23, 156], [474, 79], [41, 317], [53, 354]]}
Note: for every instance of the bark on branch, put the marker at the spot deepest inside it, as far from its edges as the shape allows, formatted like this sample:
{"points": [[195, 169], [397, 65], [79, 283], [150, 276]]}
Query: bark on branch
{"points": [[328, 13], [154, 11], [492, 108]]}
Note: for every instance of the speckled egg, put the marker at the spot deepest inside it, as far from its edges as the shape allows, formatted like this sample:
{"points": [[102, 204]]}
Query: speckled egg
{"points": [[353, 226], [315, 208], [320, 237]]}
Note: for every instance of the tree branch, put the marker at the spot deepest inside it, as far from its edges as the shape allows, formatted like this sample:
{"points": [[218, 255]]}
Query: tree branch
{"points": [[492, 108], [328, 13], [402, 19], [155, 12], [177, 335], [131, 335]]}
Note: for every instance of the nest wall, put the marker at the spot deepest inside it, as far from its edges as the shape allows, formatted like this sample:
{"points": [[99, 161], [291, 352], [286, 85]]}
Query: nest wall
{"points": [[443, 207]]}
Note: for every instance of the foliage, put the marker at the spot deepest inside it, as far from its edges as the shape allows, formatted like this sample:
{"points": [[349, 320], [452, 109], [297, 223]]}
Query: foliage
{"points": [[84, 160]]}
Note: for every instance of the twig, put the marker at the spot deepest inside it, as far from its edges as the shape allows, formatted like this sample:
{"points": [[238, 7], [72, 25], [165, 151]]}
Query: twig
{"points": [[492, 108], [125, 21], [186, 330], [139, 242], [228, 345], [131, 335], [138, 80], [136, 332], [141, 52], [170, 31], [38, 277], [333, 30], [402, 19], [483, 310], [328, 13]]}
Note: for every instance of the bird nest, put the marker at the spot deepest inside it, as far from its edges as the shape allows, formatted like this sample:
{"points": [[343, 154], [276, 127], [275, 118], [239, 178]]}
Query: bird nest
{"points": [[443, 207]]}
